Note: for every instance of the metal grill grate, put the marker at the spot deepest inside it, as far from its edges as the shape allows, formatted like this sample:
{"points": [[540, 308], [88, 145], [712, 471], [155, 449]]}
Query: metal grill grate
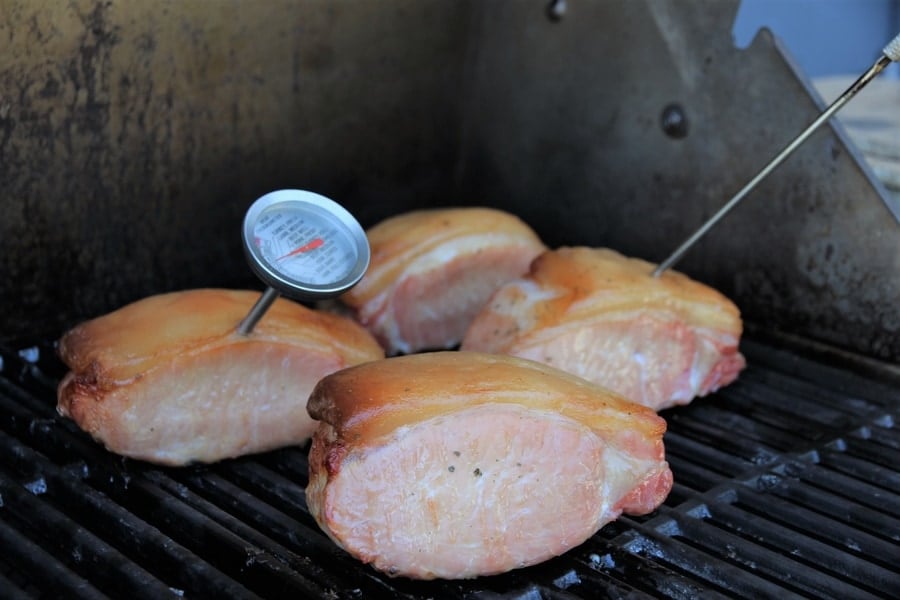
{"points": [[786, 486]]}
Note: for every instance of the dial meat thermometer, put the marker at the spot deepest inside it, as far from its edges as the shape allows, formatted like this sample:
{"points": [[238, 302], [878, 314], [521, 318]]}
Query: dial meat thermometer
{"points": [[302, 245], [891, 52]]}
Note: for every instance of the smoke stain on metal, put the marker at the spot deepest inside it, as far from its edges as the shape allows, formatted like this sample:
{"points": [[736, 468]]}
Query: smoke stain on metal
{"points": [[132, 136], [743, 105]]}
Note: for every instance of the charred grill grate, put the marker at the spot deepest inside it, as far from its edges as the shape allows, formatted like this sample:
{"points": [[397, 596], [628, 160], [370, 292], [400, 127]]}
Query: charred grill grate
{"points": [[786, 486]]}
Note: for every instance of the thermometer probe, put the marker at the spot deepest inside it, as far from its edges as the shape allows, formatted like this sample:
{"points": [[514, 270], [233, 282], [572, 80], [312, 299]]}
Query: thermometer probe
{"points": [[891, 52], [302, 245]]}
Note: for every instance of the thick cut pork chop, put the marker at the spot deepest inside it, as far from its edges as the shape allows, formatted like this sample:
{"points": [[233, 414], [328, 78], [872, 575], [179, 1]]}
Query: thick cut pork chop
{"points": [[460, 464], [658, 341], [168, 379], [432, 271]]}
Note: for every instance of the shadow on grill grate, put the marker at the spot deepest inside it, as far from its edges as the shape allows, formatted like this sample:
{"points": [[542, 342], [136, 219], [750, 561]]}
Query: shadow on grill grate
{"points": [[786, 486]]}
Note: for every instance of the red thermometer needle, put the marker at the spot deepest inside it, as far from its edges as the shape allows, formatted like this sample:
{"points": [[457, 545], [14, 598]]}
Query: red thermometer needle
{"points": [[304, 248]]}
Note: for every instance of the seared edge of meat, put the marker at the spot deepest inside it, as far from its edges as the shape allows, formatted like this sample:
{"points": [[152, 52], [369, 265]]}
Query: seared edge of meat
{"points": [[398, 241], [134, 339], [373, 399], [595, 313], [432, 271], [461, 464], [168, 379]]}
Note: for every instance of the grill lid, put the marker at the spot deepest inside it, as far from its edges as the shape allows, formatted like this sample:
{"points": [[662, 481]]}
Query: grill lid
{"points": [[786, 486]]}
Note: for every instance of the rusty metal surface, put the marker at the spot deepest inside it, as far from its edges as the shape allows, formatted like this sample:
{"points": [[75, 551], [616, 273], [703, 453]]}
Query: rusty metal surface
{"points": [[134, 135]]}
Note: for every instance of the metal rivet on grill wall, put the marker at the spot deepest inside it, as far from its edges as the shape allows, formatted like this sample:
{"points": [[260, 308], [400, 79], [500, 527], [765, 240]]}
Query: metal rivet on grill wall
{"points": [[674, 121], [556, 10]]}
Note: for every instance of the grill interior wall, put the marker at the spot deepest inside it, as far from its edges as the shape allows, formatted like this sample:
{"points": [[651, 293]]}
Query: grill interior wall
{"points": [[133, 137]]}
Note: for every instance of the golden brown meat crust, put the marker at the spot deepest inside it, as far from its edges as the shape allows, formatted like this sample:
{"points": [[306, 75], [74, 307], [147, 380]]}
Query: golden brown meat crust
{"points": [[659, 341], [432, 270], [168, 379], [461, 464]]}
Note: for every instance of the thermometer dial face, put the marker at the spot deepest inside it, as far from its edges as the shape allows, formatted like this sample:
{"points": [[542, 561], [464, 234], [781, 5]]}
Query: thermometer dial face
{"points": [[305, 245]]}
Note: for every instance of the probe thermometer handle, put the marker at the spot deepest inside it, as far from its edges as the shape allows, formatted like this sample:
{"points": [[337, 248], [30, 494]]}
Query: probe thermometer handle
{"points": [[259, 309], [890, 53]]}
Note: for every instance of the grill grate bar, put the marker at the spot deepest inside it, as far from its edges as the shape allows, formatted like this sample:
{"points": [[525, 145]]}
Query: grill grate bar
{"points": [[867, 384], [870, 448], [759, 408], [10, 590], [849, 487], [692, 475], [26, 417], [738, 544], [742, 451], [806, 418], [668, 547], [814, 400], [93, 513], [88, 554], [881, 434], [286, 492], [699, 452], [245, 514], [680, 493], [611, 556], [26, 556], [838, 458], [224, 549], [785, 487], [714, 417], [246, 490], [823, 545], [834, 507]]}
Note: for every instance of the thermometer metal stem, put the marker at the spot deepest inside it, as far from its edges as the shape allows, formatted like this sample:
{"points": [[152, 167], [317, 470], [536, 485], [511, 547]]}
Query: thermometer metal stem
{"points": [[891, 52], [302, 245], [259, 309]]}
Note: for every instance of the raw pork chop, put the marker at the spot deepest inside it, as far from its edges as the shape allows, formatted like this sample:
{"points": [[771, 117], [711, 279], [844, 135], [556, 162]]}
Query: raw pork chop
{"points": [[167, 379], [432, 271], [602, 316], [460, 464]]}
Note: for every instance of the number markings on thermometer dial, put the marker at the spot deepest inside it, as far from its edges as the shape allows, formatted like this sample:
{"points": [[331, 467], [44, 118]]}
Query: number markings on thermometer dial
{"points": [[304, 244], [303, 248]]}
